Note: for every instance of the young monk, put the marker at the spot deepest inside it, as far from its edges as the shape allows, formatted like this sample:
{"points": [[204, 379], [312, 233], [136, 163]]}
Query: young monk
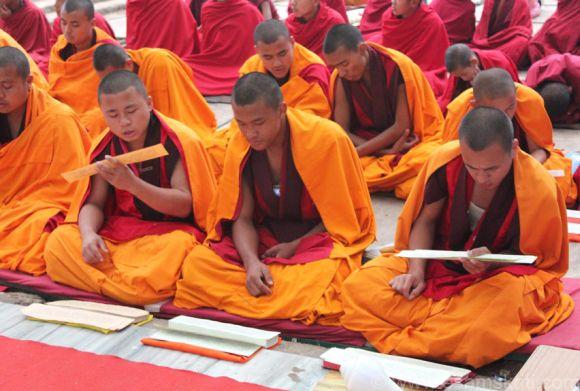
{"points": [[40, 138], [130, 227], [310, 22], [458, 17], [70, 72], [27, 24], [386, 106], [372, 18], [267, 8], [168, 80], [337, 5], [464, 63], [38, 78], [480, 194], [279, 244], [100, 22], [532, 126]]}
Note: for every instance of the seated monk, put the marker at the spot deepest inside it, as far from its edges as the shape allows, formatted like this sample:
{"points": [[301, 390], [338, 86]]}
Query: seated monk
{"points": [[166, 24], [215, 68], [130, 227], [458, 17], [384, 103], [100, 22], [557, 79], [40, 138], [337, 5], [372, 18], [168, 80], [505, 25], [532, 126], [38, 79], [27, 24], [464, 63], [267, 8], [70, 70], [481, 194], [310, 22], [279, 244]]}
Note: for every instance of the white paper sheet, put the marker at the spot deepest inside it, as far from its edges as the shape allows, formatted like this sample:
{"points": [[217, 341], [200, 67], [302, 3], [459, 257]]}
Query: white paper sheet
{"points": [[455, 255]]}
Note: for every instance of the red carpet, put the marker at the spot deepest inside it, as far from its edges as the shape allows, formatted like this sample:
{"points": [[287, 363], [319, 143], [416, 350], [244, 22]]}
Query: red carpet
{"points": [[36, 366]]}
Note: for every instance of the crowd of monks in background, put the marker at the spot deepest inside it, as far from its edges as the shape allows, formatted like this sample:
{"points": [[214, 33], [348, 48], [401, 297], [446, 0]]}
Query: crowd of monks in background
{"points": [[269, 217]]}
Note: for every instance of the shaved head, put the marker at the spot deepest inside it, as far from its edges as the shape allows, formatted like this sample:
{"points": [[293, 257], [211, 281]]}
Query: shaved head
{"points": [[342, 35], [484, 126], [109, 55], [120, 81], [86, 6], [10, 56], [492, 84], [256, 86], [270, 31], [458, 56], [557, 98]]}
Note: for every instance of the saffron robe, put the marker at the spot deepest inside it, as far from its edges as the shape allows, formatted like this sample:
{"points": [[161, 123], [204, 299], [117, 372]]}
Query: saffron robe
{"points": [[146, 247], [507, 29], [337, 5], [37, 76], [559, 34], [174, 28], [73, 80], [373, 113], [311, 34], [530, 120], [306, 286], [215, 67], [458, 17], [258, 4], [34, 196], [561, 68], [100, 22], [31, 29], [478, 318]]}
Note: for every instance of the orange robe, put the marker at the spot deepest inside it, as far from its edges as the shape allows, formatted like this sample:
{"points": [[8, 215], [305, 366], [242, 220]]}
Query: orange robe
{"points": [[37, 76], [146, 248], [493, 315], [169, 82], [531, 120], [74, 81], [306, 286], [34, 195], [398, 172]]}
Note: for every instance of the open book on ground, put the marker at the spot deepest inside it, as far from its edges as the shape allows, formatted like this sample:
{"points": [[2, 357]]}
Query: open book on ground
{"points": [[214, 339], [456, 255]]}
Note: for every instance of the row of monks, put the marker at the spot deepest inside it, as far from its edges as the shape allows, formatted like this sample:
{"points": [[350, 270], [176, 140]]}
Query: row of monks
{"points": [[269, 218]]}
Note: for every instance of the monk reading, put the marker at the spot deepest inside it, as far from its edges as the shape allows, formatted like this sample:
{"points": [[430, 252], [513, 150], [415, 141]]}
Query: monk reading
{"points": [[130, 227], [70, 73], [279, 244], [100, 22], [267, 8], [27, 24], [532, 126], [40, 138], [38, 78], [372, 18], [481, 194], [385, 104], [310, 22], [458, 17], [464, 63]]}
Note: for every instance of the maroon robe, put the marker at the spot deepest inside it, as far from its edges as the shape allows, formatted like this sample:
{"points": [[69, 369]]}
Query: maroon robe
{"points": [[372, 18], [458, 17], [100, 22], [337, 5]]}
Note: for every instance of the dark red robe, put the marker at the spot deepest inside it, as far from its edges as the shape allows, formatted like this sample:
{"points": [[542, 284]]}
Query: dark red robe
{"points": [[372, 18], [337, 5], [100, 22], [459, 18]]}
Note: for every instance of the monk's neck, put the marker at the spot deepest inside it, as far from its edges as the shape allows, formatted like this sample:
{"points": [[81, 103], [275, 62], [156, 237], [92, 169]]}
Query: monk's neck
{"points": [[411, 13], [87, 44], [278, 144], [16, 6], [15, 119], [308, 17]]}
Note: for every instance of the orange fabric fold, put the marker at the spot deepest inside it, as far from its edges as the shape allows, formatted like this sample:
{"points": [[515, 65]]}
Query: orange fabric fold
{"points": [[37, 76]]}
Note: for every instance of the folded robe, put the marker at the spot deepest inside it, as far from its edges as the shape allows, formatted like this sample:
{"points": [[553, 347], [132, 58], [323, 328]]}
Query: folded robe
{"points": [[146, 248], [100, 22], [372, 18], [369, 117], [31, 29], [34, 194], [174, 28], [337, 5], [530, 120], [306, 286], [505, 25], [495, 313], [458, 17], [37, 76], [215, 67]]}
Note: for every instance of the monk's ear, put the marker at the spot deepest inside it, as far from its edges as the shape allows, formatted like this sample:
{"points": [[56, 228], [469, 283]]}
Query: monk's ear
{"points": [[515, 146], [129, 65], [283, 108], [149, 103], [473, 61], [473, 102], [28, 81]]}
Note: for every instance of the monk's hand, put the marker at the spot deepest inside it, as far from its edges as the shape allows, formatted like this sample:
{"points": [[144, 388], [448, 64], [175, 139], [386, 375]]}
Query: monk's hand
{"points": [[94, 249], [5, 12], [116, 173], [282, 250], [258, 279], [473, 266], [410, 285], [407, 141]]}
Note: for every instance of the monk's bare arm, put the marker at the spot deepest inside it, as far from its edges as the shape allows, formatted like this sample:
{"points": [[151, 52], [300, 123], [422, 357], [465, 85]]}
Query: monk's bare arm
{"points": [[245, 234], [423, 233], [91, 215], [341, 114], [266, 10], [540, 154]]}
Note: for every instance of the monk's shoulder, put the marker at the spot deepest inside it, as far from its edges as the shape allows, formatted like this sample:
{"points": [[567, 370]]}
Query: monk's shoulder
{"points": [[323, 130], [461, 102], [252, 64], [528, 95]]}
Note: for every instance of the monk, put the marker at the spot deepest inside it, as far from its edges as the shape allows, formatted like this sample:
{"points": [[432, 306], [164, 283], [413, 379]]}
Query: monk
{"points": [[40, 138], [100, 22], [130, 227], [458, 17], [38, 79], [310, 22], [505, 25], [559, 34], [167, 79], [415, 30], [27, 24], [267, 8], [481, 194], [386, 106], [464, 63], [166, 24], [282, 237], [557, 79], [337, 5], [532, 126], [372, 18], [70, 73], [215, 68]]}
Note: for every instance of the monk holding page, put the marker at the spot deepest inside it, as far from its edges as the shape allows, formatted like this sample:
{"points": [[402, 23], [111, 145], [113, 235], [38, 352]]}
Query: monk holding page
{"points": [[385, 104], [40, 138], [279, 245], [482, 194], [130, 227], [100, 22]]}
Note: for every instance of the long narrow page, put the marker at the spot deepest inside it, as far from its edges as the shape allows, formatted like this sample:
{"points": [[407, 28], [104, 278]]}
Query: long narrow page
{"points": [[456, 255]]}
